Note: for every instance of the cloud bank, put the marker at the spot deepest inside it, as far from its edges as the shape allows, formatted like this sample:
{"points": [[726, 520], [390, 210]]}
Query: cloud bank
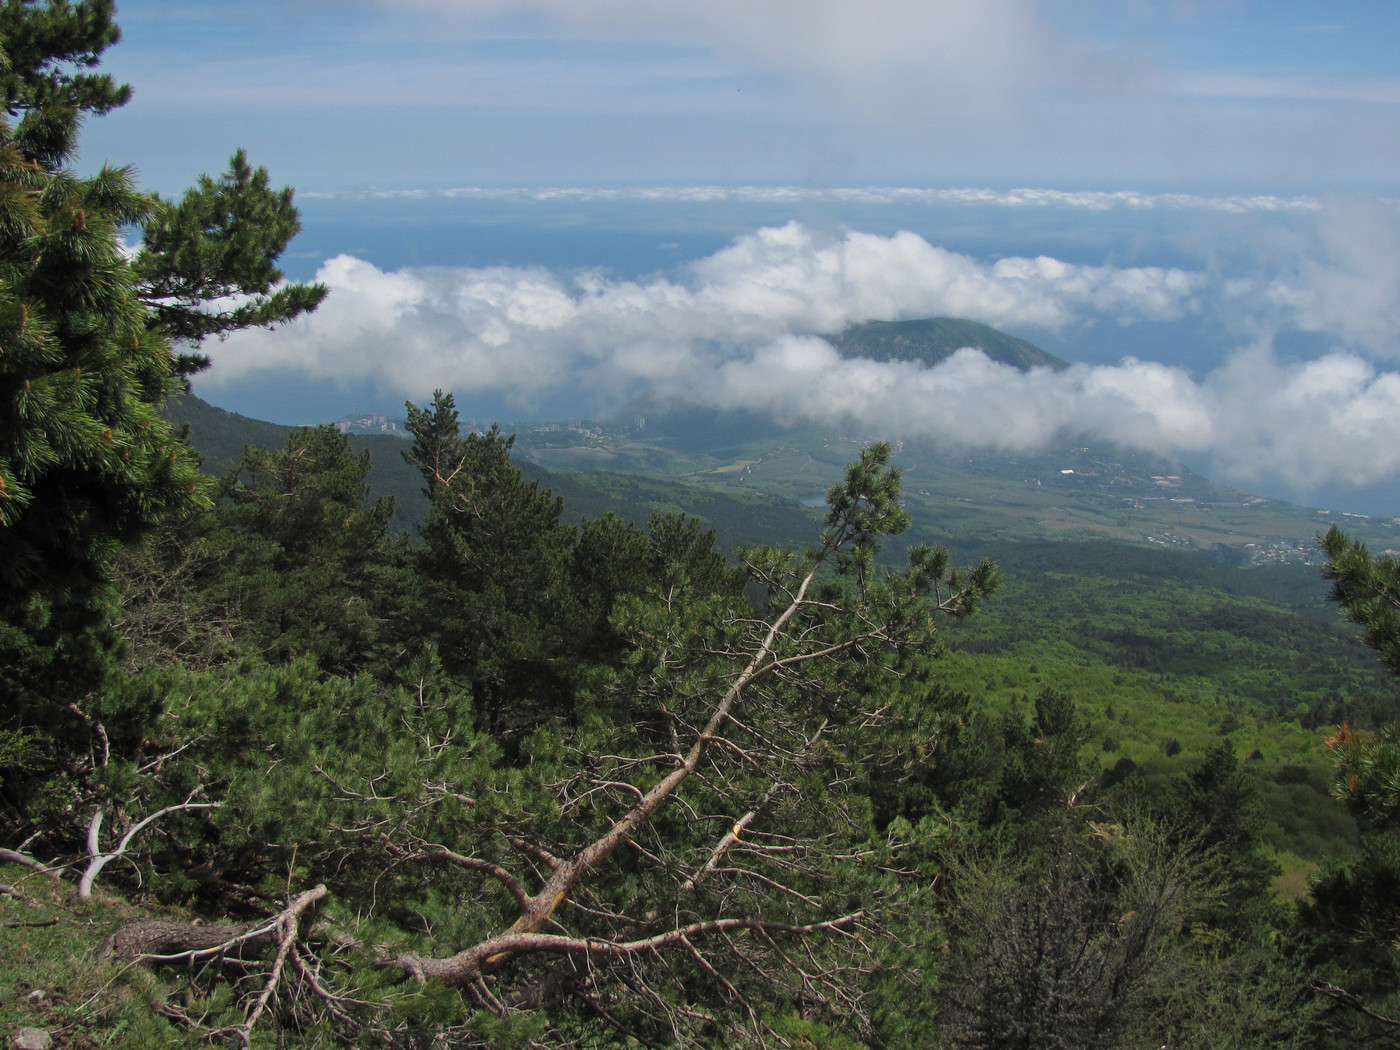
{"points": [[744, 327], [1087, 200]]}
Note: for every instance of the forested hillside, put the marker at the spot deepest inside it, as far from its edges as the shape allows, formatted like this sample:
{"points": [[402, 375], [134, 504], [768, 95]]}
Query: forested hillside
{"points": [[275, 772], [935, 339]]}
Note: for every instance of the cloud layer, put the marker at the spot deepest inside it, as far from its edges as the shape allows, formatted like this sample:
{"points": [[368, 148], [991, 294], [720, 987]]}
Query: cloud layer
{"points": [[526, 332], [1087, 200], [743, 328]]}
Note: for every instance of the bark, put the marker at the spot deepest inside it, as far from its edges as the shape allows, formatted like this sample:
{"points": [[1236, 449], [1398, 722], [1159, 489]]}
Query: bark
{"points": [[159, 938], [161, 941]]}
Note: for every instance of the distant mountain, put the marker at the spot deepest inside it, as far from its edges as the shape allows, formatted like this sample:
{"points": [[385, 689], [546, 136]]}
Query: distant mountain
{"points": [[740, 518], [757, 481], [935, 339], [220, 435]]}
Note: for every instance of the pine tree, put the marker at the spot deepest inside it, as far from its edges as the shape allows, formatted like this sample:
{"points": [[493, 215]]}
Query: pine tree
{"points": [[85, 458], [87, 356], [86, 462], [309, 564], [1350, 926], [1367, 587], [492, 570], [220, 242]]}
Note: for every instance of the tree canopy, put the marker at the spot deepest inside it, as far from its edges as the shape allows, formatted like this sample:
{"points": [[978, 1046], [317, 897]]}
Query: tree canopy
{"points": [[530, 783], [91, 334]]}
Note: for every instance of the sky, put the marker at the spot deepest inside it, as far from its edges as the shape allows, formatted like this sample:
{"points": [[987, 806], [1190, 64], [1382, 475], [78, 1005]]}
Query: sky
{"points": [[552, 206], [1222, 96]]}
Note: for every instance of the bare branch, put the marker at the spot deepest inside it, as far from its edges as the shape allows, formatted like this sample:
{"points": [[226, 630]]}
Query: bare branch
{"points": [[15, 857], [287, 922], [500, 874], [1352, 1000], [467, 967], [97, 860], [729, 838]]}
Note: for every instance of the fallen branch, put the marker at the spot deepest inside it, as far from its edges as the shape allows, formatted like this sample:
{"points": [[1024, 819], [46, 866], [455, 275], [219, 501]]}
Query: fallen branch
{"points": [[29, 862], [157, 941], [287, 923], [468, 967]]}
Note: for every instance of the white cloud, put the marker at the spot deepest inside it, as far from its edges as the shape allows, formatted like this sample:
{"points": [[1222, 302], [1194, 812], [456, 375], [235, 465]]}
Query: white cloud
{"points": [[1344, 279], [525, 332], [968, 399], [1087, 200], [1333, 419], [742, 328]]}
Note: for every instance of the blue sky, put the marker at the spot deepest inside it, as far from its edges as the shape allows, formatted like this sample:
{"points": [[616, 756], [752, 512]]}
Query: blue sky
{"points": [[550, 206], [1189, 95]]}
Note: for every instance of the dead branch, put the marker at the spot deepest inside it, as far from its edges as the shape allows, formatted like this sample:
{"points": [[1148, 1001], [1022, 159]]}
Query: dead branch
{"points": [[157, 941], [15, 857], [468, 967], [334, 1003], [495, 871], [97, 860], [286, 925], [1352, 1000], [730, 838]]}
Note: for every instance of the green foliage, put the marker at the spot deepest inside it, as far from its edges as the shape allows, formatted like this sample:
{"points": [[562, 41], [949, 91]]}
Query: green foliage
{"points": [[491, 569], [220, 242], [88, 465], [986, 770], [86, 460], [1368, 590], [48, 45], [1218, 806], [1095, 941], [367, 784], [307, 567], [846, 778], [1347, 932], [294, 560]]}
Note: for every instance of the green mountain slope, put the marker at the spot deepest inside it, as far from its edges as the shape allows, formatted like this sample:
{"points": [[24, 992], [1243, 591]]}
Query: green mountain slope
{"points": [[934, 339], [1109, 597], [220, 435], [740, 517]]}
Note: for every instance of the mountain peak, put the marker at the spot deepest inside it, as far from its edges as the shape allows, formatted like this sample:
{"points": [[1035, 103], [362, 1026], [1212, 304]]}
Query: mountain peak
{"points": [[934, 339]]}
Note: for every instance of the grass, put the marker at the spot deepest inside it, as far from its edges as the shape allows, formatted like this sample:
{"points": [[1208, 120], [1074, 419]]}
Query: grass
{"points": [[1292, 883], [53, 976]]}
